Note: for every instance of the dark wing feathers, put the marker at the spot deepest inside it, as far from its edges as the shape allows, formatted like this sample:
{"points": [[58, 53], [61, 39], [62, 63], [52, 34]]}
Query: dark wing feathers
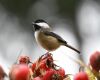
{"points": [[56, 36]]}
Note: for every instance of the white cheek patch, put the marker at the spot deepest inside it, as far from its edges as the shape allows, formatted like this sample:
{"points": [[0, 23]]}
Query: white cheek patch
{"points": [[44, 25]]}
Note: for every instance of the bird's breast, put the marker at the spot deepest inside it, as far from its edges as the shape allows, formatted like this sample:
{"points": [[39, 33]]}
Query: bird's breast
{"points": [[48, 42]]}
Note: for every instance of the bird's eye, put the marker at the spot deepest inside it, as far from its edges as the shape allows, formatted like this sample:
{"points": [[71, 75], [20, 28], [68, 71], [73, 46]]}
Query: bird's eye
{"points": [[37, 27]]}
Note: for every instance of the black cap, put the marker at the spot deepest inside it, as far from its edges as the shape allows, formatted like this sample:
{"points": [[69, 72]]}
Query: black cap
{"points": [[39, 21]]}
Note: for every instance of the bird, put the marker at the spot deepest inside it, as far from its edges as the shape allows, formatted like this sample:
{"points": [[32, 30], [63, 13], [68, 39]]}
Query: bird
{"points": [[49, 40]]}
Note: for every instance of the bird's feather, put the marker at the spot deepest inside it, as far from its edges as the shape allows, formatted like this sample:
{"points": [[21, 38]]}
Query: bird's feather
{"points": [[60, 39]]}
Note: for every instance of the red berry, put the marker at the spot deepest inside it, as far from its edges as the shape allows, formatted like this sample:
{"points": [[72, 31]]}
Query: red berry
{"points": [[61, 72], [46, 62], [81, 76], [19, 72], [24, 60], [33, 67], [52, 75], [49, 74], [95, 61], [43, 65]]}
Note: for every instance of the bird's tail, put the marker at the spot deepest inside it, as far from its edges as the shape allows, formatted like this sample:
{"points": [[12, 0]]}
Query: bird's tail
{"points": [[69, 46]]}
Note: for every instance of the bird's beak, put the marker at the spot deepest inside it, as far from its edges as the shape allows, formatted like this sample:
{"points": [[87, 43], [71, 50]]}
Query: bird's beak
{"points": [[33, 23], [33, 26]]}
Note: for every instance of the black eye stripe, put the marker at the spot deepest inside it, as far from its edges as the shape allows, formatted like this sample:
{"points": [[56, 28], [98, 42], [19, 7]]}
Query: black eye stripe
{"points": [[37, 27]]}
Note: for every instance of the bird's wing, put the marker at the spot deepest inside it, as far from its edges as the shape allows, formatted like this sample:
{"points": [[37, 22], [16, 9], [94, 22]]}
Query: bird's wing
{"points": [[60, 39]]}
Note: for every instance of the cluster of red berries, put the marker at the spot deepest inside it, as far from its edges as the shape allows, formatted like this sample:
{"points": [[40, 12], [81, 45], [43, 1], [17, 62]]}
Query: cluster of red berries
{"points": [[44, 68], [91, 71]]}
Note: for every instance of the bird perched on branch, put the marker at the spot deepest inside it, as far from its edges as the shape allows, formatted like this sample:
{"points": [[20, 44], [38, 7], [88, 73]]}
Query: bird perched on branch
{"points": [[48, 39]]}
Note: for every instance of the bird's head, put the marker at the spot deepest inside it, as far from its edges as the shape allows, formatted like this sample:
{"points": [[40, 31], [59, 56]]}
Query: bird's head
{"points": [[40, 25]]}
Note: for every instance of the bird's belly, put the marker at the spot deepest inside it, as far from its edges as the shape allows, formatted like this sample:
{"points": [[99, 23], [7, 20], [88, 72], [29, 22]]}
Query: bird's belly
{"points": [[49, 43]]}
